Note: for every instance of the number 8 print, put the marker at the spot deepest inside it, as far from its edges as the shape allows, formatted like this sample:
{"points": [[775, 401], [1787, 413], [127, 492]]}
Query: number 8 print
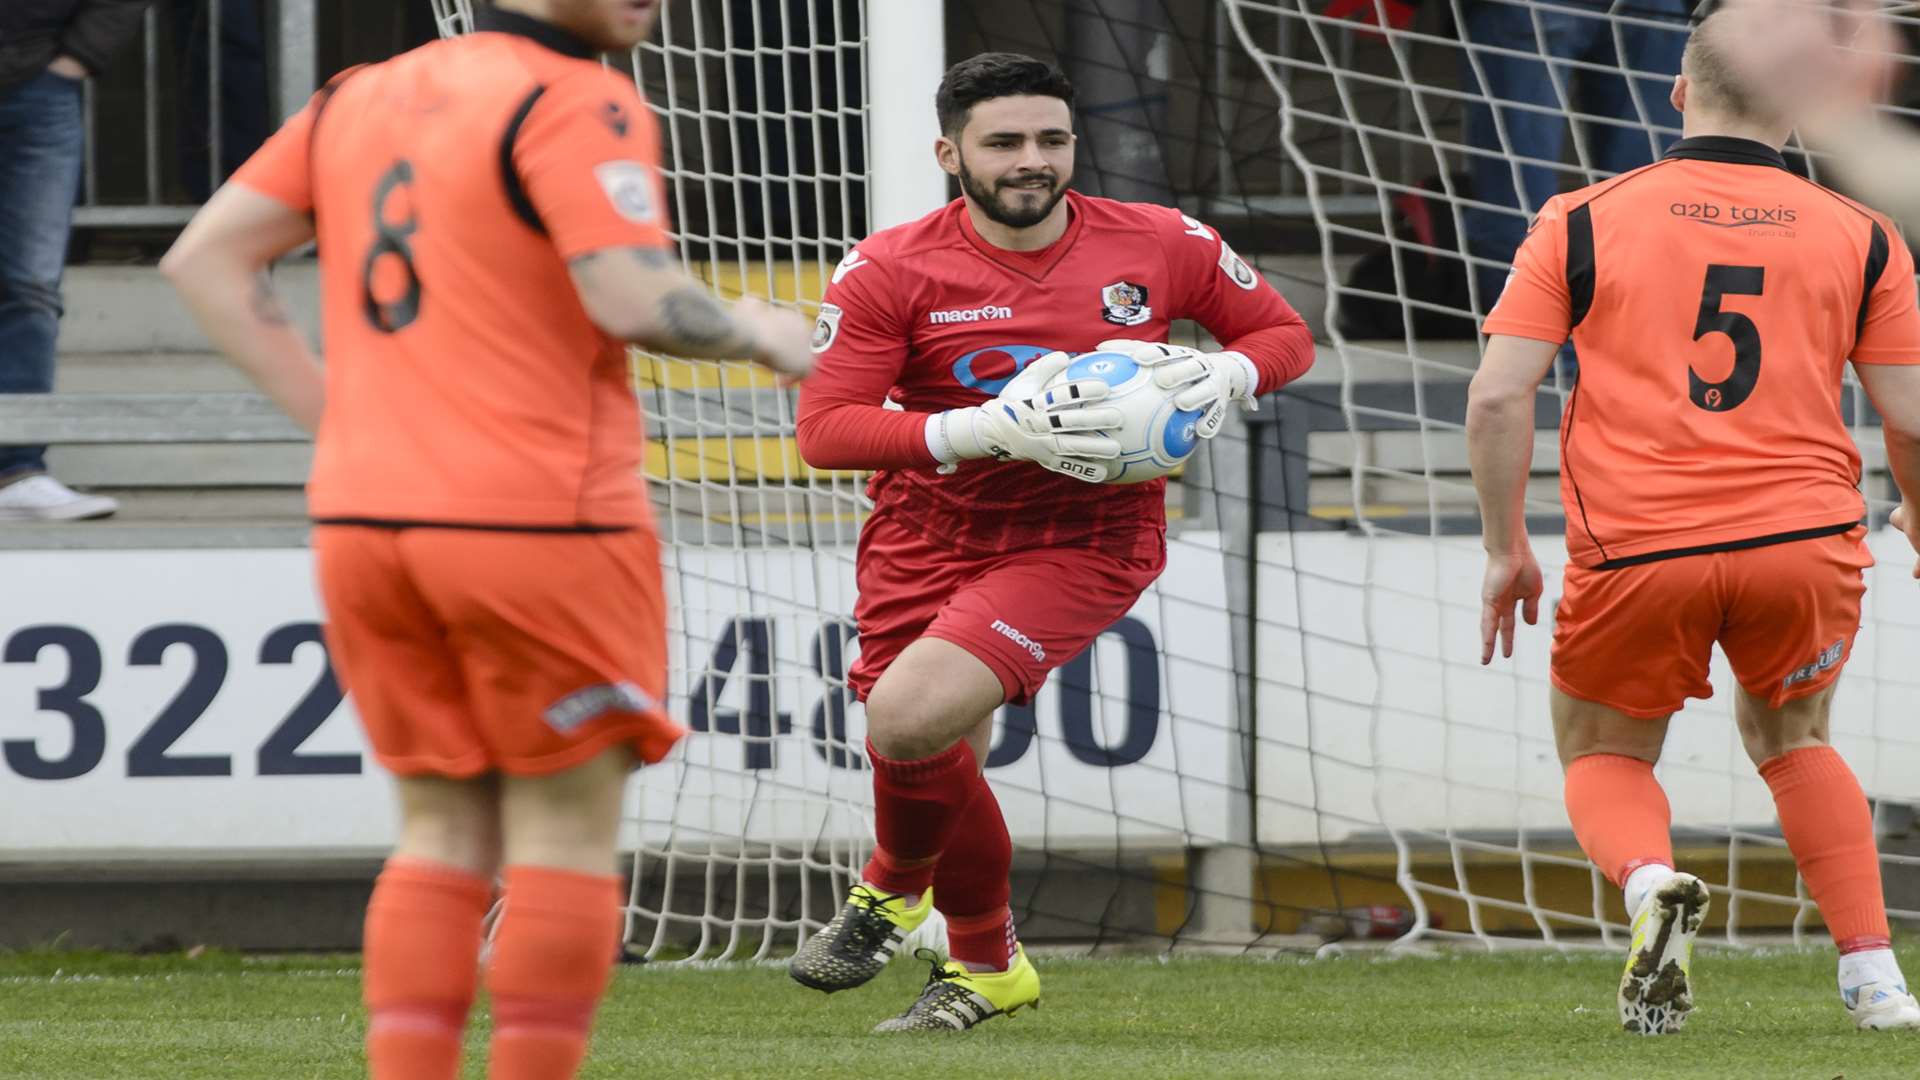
{"points": [[390, 239]]}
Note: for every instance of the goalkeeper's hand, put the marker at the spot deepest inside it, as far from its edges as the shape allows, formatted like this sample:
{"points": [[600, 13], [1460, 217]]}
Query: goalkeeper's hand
{"points": [[1201, 382], [1062, 429]]}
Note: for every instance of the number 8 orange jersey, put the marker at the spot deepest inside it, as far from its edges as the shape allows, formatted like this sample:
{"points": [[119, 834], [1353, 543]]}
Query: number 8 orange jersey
{"points": [[449, 187], [1713, 298]]}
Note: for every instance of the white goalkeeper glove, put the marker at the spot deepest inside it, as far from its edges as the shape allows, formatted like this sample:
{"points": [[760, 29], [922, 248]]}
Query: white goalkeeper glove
{"points": [[1059, 429], [1198, 381]]}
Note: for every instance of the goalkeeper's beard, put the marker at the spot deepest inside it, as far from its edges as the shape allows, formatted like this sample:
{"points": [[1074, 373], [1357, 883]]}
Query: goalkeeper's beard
{"points": [[1017, 213]]}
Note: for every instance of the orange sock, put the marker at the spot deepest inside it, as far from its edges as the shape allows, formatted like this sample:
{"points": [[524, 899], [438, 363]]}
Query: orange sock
{"points": [[422, 959], [1829, 829], [552, 958], [1619, 813]]}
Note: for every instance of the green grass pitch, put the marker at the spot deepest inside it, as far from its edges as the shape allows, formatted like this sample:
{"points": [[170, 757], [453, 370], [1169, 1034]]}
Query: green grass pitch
{"points": [[67, 1016]]}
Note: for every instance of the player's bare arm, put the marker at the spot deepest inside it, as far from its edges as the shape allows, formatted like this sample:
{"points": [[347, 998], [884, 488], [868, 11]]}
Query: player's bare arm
{"points": [[641, 295], [220, 268], [1895, 392], [1500, 450]]}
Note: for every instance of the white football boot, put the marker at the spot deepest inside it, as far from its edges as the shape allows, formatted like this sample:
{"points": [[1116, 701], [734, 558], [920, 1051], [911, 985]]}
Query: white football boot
{"points": [[1655, 992], [1881, 1006]]}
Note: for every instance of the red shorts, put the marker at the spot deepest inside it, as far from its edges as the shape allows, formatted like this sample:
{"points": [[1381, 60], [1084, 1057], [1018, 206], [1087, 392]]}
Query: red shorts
{"points": [[1638, 639], [1023, 613], [470, 651]]}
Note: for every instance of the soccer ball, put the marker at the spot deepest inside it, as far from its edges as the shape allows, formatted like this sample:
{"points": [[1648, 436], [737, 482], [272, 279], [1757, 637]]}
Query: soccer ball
{"points": [[1154, 436]]}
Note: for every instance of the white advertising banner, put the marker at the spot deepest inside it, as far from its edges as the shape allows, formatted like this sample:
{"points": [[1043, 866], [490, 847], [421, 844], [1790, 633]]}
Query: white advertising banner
{"points": [[1375, 711], [178, 704], [156, 704]]}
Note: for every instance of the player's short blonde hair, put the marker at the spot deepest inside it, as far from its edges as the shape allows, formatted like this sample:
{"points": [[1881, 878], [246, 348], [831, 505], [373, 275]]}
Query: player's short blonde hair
{"points": [[1713, 83]]}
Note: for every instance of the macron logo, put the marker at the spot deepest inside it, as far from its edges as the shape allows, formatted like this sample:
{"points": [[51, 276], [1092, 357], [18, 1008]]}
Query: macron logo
{"points": [[1033, 647], [979, 314], [848, 265]]}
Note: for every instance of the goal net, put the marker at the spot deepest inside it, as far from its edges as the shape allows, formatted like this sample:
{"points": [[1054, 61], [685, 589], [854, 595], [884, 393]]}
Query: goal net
{"points": [[1289, 739]]}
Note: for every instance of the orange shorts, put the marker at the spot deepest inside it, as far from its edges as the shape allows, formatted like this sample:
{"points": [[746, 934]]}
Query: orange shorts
{"points": [[469, 651], [1638, 639]]}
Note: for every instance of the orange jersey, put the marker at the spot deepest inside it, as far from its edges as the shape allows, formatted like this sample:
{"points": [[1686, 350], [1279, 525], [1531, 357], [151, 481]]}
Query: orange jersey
{"points": [[1713, 298], [449, 187]]}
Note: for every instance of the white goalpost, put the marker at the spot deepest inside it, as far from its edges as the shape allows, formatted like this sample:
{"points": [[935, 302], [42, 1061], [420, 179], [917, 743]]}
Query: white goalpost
{"points": [[1290, 738]]}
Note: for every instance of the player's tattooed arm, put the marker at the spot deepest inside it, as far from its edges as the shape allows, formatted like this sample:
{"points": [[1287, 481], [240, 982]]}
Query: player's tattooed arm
{"points": [[643, 296], [695, 324], [266, 305]]}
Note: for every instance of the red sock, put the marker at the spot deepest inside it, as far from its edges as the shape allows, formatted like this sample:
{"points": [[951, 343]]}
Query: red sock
{"points": [[916, 806], [422, 955], [970, 884], [552, 958], [1829, 828], [1619, 813]]}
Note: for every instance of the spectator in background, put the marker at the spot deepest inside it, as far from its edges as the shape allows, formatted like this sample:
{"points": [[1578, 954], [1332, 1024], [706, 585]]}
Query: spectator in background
{"points": [[244, 94], [1569, 71], [48, 48]]}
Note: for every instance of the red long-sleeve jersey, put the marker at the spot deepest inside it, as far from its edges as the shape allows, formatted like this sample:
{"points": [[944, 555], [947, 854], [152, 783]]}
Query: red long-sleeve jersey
{"points": [[932, 317]]}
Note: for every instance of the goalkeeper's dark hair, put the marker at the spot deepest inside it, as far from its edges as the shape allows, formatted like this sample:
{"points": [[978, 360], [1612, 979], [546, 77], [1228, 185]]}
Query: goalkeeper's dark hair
{"points": [[994, 75]]}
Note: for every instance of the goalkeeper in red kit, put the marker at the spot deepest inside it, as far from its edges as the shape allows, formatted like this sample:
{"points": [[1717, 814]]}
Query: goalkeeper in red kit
{"points": [[990, 558]]}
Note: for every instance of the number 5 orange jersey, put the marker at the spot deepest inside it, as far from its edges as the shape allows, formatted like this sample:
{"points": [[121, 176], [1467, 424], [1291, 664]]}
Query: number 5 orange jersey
{"points": [[1713, 298], [449, 188]]}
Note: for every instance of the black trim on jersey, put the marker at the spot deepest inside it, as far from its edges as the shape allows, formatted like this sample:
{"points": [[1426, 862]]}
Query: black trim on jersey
{"points": [[321, 99], [541, 33], [1877, 255], [509, 176], [1727, 151], [1730, 545], [1580, 261], [324, 96], [470, 526], [1566, 463], [1580, 269], [1580, 288]]}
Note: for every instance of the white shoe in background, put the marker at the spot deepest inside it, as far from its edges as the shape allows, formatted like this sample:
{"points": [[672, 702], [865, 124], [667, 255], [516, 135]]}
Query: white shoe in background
{"points": [[42, 498], [1881, 1006]]}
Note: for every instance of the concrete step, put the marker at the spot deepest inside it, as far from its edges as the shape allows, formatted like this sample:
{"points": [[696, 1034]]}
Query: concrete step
{"points": [[145, 418], [189, 372], [132, 309], [175, 518], [197, 369], [182, 465], [1302, 279]]}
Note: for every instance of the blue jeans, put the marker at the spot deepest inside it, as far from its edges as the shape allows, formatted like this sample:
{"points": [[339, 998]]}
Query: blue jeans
{"points": [[40, 146], [244, 123], [1563, 33]]}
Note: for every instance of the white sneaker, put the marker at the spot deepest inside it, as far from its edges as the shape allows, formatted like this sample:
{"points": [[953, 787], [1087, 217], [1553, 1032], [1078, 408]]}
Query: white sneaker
{"points": [[42, 498], [1655, 994], [1881, 1006]]}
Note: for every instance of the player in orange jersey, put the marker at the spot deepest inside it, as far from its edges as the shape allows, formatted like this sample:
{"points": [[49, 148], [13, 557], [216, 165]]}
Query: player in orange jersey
{"points": [[1711, 494], [492, 230]]}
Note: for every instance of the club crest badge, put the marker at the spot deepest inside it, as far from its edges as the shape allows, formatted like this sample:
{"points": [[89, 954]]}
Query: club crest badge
{"points": [[1125, 304]]}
